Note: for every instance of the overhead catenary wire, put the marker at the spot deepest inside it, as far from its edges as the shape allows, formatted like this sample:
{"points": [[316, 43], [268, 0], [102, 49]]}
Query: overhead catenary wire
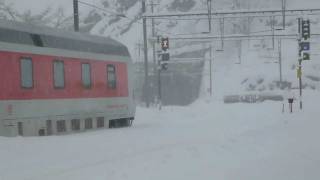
{"points": [[168, 18], [102, 9], [120, 15], [237, 13]]}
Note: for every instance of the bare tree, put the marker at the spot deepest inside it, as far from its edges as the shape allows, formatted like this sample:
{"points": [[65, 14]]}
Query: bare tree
{"points": [[6, 11], [48, 17], [60, 20]]}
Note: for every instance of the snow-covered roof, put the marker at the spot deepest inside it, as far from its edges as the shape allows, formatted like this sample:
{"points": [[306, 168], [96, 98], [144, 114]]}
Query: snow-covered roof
{"points": [[24, 33]]}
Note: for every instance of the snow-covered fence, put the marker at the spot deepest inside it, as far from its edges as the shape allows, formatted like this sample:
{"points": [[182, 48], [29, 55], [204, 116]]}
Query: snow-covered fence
{"points": [[251, 98]]}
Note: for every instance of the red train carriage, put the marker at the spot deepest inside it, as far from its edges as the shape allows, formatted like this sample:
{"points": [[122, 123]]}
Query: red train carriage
{"points": [[54, 82]]}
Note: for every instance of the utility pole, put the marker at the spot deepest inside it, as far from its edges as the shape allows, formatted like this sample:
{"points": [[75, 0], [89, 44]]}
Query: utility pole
{"points": [[300, 61], [159, 81], [239, 42], [300, 82], [76, 15], [222, 32], [153, 44], [145, 43], [272, 19], [280, 61], [139, 47], [210, 67], [209, 4], [284, 14]]}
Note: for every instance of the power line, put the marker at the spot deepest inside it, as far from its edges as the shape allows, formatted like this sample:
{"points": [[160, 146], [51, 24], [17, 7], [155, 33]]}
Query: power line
{"points": [[237, 13], [229, 17], [120, 15], [102, 9], [237, 37]]}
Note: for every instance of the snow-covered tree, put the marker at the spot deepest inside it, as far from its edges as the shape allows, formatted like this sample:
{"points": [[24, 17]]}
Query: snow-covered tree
{"points": [[48, 17]]}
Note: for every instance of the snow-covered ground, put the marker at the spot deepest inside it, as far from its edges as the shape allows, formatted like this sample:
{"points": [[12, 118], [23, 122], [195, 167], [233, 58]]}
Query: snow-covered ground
{"points": [[206, 140]]}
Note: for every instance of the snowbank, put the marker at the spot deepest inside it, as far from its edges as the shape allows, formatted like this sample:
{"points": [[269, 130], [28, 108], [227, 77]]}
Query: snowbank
{"points": [[207, 140]]}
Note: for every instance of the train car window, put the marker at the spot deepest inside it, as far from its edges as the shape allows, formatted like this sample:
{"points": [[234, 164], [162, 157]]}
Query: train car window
{"points": [[75, 124], [111, 76], [88, 123], [58, 74], [37, 41], [12, 36], [26, 73], [61, 126], [86, 75], [100, 122]]}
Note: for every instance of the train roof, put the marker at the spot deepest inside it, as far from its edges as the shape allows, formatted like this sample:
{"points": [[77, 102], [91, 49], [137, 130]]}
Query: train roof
{"points": [[39, 36]]}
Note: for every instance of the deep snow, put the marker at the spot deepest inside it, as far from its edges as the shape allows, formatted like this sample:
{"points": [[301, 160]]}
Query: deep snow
{"points": [[206, 140]]}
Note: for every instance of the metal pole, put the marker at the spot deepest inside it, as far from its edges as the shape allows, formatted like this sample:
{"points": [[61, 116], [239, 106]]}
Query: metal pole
{"points": [[300, 61], [76, 15], [280, 61], [222, 32], [209, 4], [272, 29], [145, 43], [284, 14], [300, 83], [210, 70], [159, 85], [159, 82], [153, 48], [239, 51]]}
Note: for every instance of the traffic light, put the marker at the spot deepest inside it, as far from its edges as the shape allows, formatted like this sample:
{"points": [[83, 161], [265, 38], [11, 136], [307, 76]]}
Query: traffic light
{"points": [[164, 44], [305, 31]]}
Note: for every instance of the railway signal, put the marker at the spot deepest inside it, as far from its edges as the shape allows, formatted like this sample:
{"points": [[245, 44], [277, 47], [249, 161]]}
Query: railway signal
{"points": [[306, 56], [165, 57], [305, 31], [304, 46], [304, 39], [164, 44], [304, 49]]}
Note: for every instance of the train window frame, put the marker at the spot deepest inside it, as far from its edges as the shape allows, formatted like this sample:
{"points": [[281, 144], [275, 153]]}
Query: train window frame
{"points": [[100, 122], [37, 40], [75, 124], [14, 36], [22, 85], [61, 126], [82, 76], [88, 123], [64, 74], [111, 83]]}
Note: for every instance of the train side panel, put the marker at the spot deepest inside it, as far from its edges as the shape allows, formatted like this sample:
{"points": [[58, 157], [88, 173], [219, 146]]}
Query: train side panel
{"points": [[36, 111]]}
